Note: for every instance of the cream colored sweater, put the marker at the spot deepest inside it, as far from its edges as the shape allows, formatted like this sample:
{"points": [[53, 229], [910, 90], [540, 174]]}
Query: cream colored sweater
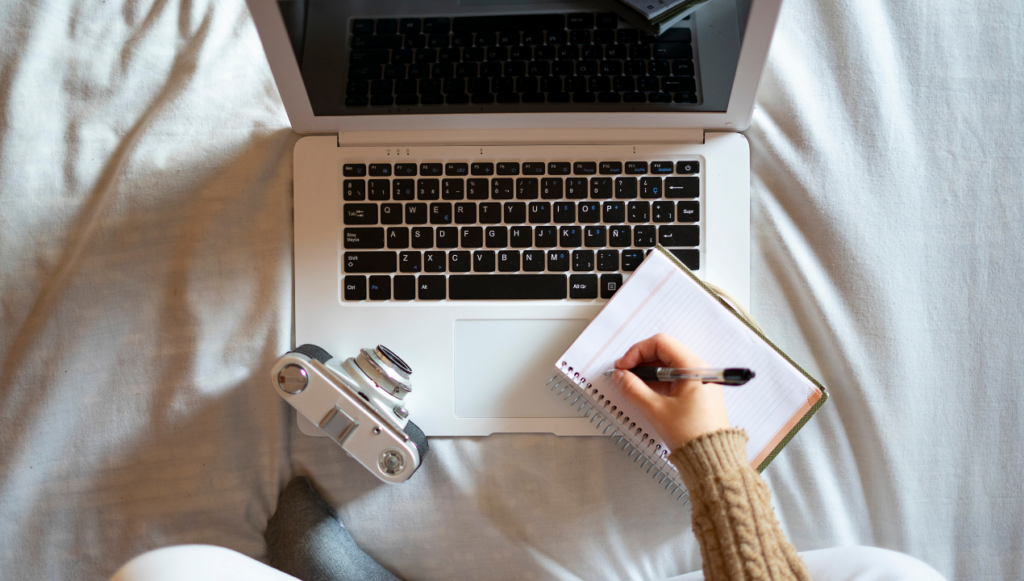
{"points": [[732, 515]]}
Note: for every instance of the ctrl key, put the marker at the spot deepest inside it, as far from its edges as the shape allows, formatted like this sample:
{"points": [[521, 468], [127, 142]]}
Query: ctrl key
{"points": [[431, 287], [355, 288]]}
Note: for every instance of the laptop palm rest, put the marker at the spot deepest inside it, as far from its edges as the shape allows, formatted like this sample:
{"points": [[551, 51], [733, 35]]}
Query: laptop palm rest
{"points": [[502, 366]]}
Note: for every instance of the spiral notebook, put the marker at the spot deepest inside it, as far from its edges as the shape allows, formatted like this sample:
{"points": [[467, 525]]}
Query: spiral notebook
{"points": [[663, 296]]}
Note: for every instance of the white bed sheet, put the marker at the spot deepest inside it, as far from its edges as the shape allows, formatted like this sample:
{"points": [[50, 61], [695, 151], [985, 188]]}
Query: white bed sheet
{"points": [[145, 286]]}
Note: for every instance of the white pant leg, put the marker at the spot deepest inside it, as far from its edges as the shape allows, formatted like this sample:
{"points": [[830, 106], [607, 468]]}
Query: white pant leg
{"points": [[197, 563], [856, 564]]}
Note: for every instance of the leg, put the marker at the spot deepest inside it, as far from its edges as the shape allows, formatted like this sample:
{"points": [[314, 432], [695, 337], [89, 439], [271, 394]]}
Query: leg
{"points": [[197, 563], [306, 539]]}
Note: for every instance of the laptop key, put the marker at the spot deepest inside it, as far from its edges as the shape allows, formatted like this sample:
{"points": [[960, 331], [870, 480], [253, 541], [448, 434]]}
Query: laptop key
{"points": [[545, 236], [415, 213], [679, 235], [355, 288], [687, 167], [606, 168], [459, 261], [688, 256], [644, 236], [410, 261], [520, 236], [576, 188], [682, 187], [650, 187], [423, 237], [583, 286], [607, 260], [490, 213], [398, 238], [600, 188], [433, 261], [483, 261], [663, 212], [361, 238], [565, 212], [506, 287], [471, 237], [405, 169], [636, 167], [514, 212], [527, 188], [570, 236], [609, 284], [482, 169], [370, 261], [496, 236], [362, 26], [430, 287], [456, 169], [436, 25], [619, 236], [613, 212], [508, 261], [477, 189], [441, 213], [360, 214], [631, 259], [380, 288], [533, 260], [508, 168], [380, 169], [376, 41], [354, 190], [453, 189], [405, 189], [558, 260], [405, 288], [354, 170], [373, 56], [391, 213], [595, 236], [559, 168], [465, 213], [550, 188], [688, 212], [502, 188], [589, 212], [540, 212], [447, 237], [638, 211], [428, 189], [661, 167], [607, 20]]}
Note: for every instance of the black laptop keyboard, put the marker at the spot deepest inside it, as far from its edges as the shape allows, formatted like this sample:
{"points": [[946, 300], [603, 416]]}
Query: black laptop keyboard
{"points": [[537, 58], [463, 230]]}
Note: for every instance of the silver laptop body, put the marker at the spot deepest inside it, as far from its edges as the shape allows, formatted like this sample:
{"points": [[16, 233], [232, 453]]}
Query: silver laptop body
{"points": [[432, 202]]}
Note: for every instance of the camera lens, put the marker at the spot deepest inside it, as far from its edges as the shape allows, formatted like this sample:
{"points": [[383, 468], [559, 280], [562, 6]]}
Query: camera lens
{"points": [[394, 360]]}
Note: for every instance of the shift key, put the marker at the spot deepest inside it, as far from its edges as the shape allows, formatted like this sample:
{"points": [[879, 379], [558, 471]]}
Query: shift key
{"points": [[363, 262]]}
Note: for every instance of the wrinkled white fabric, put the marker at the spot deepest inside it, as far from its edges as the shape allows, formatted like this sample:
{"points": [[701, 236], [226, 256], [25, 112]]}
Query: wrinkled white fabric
{"points": [[145, 289]]}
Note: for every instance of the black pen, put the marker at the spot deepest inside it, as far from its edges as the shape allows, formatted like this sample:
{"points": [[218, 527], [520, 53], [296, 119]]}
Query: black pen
{"points": [[731, 376]]}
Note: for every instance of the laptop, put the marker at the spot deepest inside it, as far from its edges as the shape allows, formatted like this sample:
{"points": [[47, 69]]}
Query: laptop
{"points": [[480, 176]]}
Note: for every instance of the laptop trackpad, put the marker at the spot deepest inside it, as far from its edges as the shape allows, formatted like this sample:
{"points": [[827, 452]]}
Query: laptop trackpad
{"points": [[501, 367]]}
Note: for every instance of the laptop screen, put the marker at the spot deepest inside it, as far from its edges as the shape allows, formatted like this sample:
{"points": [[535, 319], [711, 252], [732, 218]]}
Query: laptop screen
{"points": [[441, 57]]}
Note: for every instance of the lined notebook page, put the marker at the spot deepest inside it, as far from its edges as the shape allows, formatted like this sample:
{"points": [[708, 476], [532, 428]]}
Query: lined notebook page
{"points": [[660, 298]]}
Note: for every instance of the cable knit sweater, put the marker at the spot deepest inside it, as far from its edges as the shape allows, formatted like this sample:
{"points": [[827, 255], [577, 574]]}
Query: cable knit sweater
{"points": [[732, 514]]}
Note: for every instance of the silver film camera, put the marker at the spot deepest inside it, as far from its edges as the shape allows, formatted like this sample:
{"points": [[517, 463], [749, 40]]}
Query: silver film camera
{"points": [[358, 404]]}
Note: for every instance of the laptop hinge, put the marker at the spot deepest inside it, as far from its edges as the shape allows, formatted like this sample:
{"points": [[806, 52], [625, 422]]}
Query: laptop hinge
{"points": [[580, 136]]}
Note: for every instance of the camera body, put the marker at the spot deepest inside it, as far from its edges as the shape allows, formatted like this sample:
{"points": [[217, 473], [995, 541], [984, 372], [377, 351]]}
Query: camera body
{"points": [[358, 404]]}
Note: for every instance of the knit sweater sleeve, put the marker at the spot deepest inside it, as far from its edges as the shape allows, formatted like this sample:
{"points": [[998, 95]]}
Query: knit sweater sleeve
{"points": [[732, 515]]}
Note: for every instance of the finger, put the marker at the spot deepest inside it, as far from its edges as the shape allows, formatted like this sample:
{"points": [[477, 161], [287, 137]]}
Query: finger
{"points": [[636, 392]]}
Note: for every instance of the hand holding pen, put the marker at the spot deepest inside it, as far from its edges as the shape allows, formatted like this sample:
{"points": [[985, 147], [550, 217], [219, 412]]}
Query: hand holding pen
{"points": [[678, 410], [730, 376]]}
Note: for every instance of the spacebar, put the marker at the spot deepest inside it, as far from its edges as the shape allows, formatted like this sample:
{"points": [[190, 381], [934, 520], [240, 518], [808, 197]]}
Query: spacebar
{"points": [[482, 287]]}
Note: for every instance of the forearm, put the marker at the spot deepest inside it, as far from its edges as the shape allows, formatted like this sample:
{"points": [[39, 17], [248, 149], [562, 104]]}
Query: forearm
{"points": [[732, 515]]}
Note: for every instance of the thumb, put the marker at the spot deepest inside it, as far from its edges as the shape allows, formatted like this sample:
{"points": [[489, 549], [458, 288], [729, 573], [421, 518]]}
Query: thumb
{"points": [[635, 391]]}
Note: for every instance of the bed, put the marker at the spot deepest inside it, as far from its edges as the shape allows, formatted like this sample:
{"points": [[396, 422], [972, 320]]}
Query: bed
{"points": [[145, 280]]}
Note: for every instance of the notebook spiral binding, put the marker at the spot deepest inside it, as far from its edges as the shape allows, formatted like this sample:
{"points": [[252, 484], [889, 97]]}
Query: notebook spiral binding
{"points": [[601, 409]]}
